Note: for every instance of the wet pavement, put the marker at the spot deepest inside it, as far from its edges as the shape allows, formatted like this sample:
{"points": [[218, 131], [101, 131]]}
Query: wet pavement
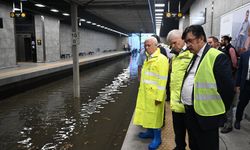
{"points": [[48, 118]]}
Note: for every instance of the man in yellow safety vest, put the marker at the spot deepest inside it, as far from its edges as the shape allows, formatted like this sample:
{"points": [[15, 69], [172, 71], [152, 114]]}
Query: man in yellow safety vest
{"points": [[179, 64], [207, 90]]}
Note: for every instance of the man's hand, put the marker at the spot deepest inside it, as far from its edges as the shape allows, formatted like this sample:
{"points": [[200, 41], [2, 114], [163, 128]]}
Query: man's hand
{"points": [[237, 89]]}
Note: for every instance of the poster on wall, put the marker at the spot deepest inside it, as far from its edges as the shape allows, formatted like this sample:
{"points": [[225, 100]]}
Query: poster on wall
{"points": [[236, 24]]}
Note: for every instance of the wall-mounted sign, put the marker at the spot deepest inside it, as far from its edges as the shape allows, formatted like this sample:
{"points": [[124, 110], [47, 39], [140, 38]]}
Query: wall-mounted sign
{"points": [[75, 38], [39, 42]]}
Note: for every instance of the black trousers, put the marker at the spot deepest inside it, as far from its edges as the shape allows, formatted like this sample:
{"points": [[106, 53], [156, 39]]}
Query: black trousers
{"points": [[201, 139], [243, 101], [180, 128]]}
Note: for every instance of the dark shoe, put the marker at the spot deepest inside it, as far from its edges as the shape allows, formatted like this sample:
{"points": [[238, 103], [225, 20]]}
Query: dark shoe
{"points": [[237, 125], [148, 134], [226, 130]]}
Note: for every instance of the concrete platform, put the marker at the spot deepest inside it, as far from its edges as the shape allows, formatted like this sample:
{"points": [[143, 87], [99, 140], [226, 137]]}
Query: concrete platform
{"points": [[235, 140], [25, 71], [26, 74]]}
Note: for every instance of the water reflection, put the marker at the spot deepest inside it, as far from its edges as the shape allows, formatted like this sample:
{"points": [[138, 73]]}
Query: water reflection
{"points": [[104, 97], [46, 118]]}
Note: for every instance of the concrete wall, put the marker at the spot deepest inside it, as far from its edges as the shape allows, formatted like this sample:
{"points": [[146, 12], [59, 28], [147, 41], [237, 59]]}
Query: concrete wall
{"points": [[212, 25], [39, 36], [47, 30], [52, 26], [55, 39], [89, 40], [7, 38]]}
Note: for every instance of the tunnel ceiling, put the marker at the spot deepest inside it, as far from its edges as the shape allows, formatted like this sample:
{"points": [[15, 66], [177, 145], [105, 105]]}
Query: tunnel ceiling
{"points": [[131, 15], [127, 16]]}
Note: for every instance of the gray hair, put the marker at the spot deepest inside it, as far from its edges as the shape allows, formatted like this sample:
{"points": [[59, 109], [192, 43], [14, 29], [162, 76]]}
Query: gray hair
{"points": [[152, 39], [174, 34]]}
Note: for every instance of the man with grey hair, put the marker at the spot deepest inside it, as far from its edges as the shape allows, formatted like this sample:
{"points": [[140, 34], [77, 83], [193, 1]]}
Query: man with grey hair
{"points": [[149, 111], [178, 67]]}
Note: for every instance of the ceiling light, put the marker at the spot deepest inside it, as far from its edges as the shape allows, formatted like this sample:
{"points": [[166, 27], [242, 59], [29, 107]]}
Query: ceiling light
{"points": [[82, 20], [89, 22], [159, 14], [159, 5], [159, 17], [159, 10], [39, 5], [98, 25], [93, 23], [65, 14], [54, 10]]}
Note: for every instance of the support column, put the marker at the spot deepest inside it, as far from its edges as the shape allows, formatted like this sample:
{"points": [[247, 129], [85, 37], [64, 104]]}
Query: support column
{"points": [[140, 41], [75, 42]]}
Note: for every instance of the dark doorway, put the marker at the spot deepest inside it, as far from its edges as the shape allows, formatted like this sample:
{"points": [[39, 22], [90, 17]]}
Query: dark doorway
{"points": [[25, 48], [25, 39]]}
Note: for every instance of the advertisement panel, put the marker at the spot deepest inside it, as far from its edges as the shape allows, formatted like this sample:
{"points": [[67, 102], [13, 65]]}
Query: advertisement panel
{"points": [[236, 24]]}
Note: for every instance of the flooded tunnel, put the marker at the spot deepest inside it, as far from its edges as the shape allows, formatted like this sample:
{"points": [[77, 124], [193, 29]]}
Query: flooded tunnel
{"points": [[48, 117]]}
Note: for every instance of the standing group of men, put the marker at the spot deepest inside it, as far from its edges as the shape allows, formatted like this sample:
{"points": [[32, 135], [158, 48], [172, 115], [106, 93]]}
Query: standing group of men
{"points": [[201, 90]]}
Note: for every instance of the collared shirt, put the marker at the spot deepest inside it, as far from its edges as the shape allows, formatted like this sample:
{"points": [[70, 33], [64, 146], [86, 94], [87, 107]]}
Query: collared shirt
{"points": [[187, 89], [184, 47]]}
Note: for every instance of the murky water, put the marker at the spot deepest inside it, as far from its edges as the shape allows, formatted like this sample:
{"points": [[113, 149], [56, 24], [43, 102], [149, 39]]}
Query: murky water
{"points": [[48, 118]]}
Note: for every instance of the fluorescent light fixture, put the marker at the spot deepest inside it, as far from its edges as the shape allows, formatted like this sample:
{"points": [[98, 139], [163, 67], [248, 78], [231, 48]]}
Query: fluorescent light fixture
{"points": [[82, 20], [39, 5], [93, 24], [159, 14], [54, 10], [159, 10], [159, 17], [159, 5], [98, 25], [89, 22], [65, 14]]}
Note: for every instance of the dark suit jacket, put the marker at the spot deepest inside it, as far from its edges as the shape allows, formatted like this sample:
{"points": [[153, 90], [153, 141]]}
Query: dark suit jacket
{"points": [[225, 87], [242, 70]]}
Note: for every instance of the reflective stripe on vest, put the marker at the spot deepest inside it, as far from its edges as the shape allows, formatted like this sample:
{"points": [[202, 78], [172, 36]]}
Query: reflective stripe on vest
{"points": [[156, 75], [207, 101], [154, 83]]}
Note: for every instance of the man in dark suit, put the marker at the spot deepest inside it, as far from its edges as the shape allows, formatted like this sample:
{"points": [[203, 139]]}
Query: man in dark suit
{"points": [[243, 86], [207, 90]]}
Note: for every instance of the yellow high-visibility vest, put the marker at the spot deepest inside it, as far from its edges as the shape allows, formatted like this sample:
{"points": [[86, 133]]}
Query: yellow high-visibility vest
{"points": [[207, 100], [152, 88], [179, 66]]}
